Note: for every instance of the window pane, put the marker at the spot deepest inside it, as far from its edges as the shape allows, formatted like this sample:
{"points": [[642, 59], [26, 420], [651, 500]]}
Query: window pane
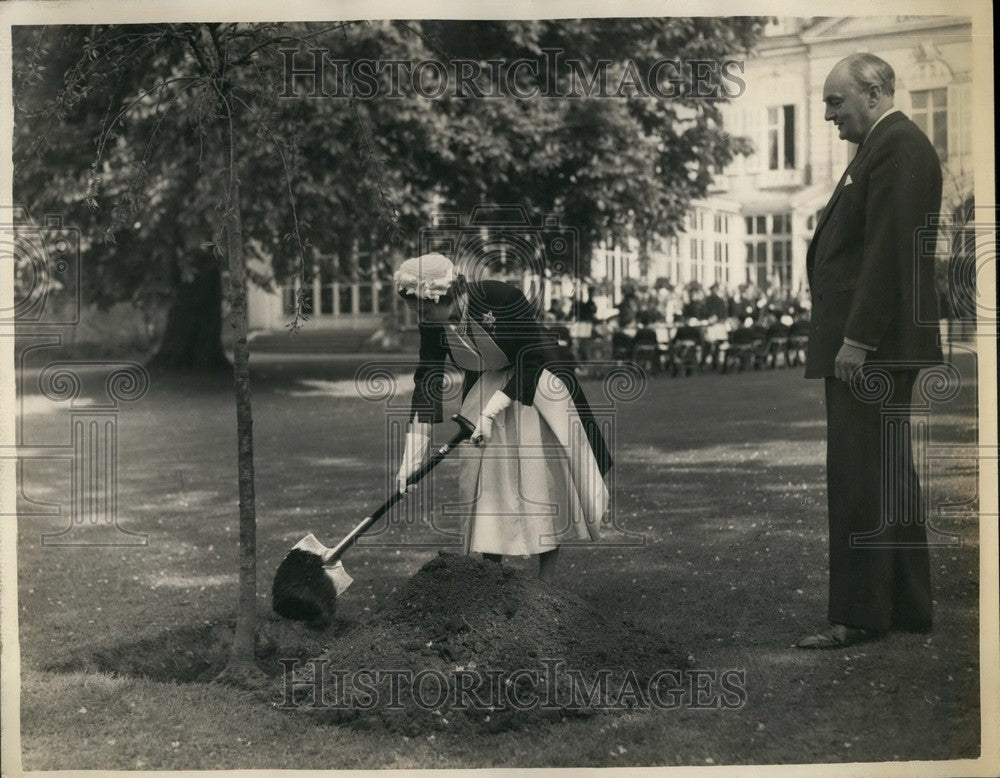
{"points": [[749, 225], [385, 297], [919, 99], [365, 298], [761, 225], [346, 300], [939, 98], [772, 116], [940, 138], [772, 149], [789, 150]]}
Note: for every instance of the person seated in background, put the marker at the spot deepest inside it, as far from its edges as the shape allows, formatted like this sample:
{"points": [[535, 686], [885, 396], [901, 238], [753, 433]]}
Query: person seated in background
{"points": [[555, 311], [694, 308], [586, 310], [715, 306], [628, 308], [740, 305]]}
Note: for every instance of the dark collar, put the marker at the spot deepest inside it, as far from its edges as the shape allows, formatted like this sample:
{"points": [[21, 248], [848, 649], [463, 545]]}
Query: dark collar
{"points": [[877, 131]]}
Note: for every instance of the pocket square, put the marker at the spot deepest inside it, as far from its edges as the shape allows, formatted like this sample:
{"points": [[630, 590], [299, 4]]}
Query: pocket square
{"points": [[849, 180]]}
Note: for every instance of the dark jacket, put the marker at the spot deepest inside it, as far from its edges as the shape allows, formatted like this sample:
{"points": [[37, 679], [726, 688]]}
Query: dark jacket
{"points": [[716, 306], [870, 262], [511, 321]]}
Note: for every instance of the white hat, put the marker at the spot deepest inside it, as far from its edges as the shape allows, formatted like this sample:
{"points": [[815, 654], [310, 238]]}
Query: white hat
{"points": [[429, 276]]}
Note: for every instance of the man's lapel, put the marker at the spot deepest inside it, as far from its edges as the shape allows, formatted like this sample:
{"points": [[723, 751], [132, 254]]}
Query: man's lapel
{"points": [[863, 151]]}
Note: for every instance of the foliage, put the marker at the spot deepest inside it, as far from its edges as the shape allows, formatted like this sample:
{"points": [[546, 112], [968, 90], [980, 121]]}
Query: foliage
{"points": [[115, 127]]}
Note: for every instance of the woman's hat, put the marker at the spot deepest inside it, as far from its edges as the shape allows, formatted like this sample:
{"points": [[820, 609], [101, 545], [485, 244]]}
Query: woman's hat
{"points": [[428, 277]]}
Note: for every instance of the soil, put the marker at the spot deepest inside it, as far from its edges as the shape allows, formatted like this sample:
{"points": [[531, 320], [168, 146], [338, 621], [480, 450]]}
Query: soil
{"points": [[462, 645], [473, 644]]}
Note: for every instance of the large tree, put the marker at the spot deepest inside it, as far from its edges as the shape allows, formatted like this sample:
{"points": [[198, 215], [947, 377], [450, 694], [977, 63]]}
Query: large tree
{"points": [[110, 131]]}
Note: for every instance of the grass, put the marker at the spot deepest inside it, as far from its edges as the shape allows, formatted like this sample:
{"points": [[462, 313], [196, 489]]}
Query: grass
{"points": [[723, 477]]}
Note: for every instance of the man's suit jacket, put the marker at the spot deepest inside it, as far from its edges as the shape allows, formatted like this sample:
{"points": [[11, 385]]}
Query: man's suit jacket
{"points": [[871, 273]]}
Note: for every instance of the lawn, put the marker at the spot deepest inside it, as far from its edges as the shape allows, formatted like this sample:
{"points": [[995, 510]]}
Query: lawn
{"points": [[718, 545]]}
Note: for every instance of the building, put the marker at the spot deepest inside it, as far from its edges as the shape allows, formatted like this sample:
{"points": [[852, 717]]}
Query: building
{"points": [[756, 222]]}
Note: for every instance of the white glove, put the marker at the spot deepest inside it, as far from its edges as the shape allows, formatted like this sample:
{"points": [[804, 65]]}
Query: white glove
{"points": [[497, 404], [415, 451]]}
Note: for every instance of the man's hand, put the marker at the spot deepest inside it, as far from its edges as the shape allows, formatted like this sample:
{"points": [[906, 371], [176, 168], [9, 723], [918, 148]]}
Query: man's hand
{"points": [[849, 359]]}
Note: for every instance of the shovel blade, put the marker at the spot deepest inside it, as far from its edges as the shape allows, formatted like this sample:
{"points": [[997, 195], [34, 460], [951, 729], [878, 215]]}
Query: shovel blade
{"points": [[335, 572], [339, 576]]}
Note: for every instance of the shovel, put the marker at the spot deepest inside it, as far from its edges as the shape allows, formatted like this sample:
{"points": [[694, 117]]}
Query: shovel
{"points": [[311, 576]]}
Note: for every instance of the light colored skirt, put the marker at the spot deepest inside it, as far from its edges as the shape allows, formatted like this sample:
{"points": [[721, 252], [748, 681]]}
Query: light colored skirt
{"points": [[536, 485]]}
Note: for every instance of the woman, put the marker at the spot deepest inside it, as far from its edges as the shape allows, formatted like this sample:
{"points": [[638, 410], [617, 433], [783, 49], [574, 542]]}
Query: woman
{"points": [[537, 480]]}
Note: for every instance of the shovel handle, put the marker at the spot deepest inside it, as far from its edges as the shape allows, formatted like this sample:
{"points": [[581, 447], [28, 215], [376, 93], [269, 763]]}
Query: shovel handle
{"points": [[465, 430]]}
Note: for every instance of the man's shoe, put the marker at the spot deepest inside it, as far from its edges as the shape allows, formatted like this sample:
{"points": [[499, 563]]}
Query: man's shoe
{"points": [[839, 636]]}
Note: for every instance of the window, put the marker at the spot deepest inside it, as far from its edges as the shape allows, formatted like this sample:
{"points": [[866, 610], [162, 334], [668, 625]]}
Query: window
{"points": [[769, 251], [694, 248], [781, 137], [930, 114], [760, 266], [782, 254]]}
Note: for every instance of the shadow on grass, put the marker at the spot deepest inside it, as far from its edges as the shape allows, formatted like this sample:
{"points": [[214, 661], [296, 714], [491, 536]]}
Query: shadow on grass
{"points": [[198, 653]]}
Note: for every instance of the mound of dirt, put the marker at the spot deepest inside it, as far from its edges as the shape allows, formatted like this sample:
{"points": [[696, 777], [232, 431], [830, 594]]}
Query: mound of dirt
{"points": [[467, 644]]}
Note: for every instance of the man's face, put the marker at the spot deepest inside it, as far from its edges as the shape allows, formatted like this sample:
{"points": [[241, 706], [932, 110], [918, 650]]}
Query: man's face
{"points": [[847, 105]]}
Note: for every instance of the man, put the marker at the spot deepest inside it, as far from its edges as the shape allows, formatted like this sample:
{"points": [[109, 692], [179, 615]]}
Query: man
{"points": [[715, 306], [716, 311], [586, 312], [871, 291]]}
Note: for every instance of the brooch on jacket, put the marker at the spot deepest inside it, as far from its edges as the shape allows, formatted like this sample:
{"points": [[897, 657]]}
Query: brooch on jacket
{"points": [[489, 321]]}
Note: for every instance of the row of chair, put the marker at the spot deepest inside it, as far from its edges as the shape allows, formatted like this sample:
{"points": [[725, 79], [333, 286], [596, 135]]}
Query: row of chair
{"points": [[690, 349]]}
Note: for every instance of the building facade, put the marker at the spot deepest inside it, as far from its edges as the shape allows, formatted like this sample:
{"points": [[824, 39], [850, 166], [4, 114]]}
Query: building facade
{"points": [[755, 224]]}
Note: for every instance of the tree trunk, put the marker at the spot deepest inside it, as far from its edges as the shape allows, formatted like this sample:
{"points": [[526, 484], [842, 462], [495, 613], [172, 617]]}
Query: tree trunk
{"points": [[241, 669], [192, 338]]}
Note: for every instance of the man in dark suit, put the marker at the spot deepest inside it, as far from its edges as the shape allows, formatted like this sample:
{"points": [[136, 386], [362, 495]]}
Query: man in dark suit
{"points": [[872, 292]]}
